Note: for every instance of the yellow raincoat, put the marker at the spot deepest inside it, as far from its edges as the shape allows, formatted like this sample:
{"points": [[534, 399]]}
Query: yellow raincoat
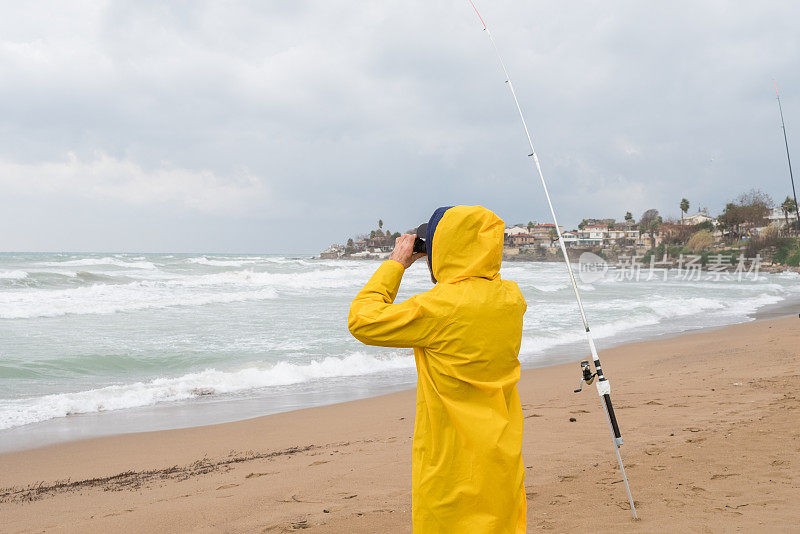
{"points": [[467, 470]]}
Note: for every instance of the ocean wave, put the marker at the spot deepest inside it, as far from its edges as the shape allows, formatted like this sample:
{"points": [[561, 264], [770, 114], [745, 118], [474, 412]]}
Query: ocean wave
{"points": [[654, 311], [104, 299], [237, 261], [549, 288], [93, 278], [202, 260], [13, 275], [317, 279], [533, 345], [671, 307], [140, 264], [18, 412], [751, 304], [105, 293]]}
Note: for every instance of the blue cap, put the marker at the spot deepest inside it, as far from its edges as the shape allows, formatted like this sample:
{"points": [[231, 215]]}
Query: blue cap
{"points": [[432, 223]]}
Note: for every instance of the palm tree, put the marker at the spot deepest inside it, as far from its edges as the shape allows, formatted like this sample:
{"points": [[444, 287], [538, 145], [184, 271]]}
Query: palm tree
{"points": [[654, 225], [628, 216], [787, 206], [684, 207]]}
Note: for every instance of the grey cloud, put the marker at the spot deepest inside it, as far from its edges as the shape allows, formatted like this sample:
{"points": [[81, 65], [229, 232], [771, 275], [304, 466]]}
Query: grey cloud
{"points": [[340, 113]]}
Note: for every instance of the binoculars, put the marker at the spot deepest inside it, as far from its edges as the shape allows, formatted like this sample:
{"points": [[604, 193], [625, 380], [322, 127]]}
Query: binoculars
{"points": [[419, 242]]}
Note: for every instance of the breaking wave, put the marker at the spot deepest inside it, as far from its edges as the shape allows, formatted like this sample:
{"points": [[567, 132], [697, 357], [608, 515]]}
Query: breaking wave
{"points": [[652, 313], [210, 382], [202, 260], [140, 264], [13, 275], [106, 299], [321, 279]]}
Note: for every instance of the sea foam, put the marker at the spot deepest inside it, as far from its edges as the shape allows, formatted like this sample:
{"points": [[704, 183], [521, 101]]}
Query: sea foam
{"points": [[106, 299], [20, 412], [13, 275], [140, 264]]}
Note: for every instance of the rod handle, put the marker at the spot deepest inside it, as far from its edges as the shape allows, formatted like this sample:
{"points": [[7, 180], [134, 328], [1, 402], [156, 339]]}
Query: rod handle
{"points": [[612, 417]]}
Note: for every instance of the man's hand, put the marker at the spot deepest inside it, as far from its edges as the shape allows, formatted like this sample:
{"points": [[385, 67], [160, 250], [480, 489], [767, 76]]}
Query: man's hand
{"points": [[403, 252]]}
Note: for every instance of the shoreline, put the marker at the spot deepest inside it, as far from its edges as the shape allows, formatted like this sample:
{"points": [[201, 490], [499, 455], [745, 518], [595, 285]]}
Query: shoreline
{"points": [[696, 412]]}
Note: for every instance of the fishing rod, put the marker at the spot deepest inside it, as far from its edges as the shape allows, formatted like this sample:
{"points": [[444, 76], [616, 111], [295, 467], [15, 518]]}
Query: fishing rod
{"points": [[786, 142], [587, 375]]}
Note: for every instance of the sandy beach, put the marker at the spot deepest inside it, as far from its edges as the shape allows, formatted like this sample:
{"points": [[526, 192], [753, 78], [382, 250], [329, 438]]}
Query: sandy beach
{"points": [[711, 444]]}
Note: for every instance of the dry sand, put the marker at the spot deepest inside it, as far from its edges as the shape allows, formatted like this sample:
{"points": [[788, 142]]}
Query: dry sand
{"points": [[710, 423]]}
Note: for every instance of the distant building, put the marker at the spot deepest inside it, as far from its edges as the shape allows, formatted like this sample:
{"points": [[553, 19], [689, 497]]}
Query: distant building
{"points": [[378, 244], [622, 235], [697, 218], [516, 230], [542, 231], [570, 239], [592, 235], [778, 218], [595, 233], [333, 252], [521, 240]]}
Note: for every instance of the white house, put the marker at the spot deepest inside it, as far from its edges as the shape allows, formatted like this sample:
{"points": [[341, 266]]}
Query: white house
{"points": [[592, 235], [516, 230], [696, 218], [778, 218], [570, 239]]}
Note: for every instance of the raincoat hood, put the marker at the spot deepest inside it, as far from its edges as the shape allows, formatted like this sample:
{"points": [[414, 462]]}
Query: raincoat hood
{"points": [[467, 241]]}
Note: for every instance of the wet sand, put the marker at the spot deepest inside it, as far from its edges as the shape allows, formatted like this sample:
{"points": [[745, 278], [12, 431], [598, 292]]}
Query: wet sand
{"points": [[711, 444]]}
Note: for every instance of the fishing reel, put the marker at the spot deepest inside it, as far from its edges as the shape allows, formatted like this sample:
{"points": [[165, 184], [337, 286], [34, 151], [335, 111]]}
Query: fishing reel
{"points": [[586, 376]]}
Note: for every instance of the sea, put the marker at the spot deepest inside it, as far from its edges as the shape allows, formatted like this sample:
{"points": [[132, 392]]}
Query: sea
{"points": [[97, 344]]}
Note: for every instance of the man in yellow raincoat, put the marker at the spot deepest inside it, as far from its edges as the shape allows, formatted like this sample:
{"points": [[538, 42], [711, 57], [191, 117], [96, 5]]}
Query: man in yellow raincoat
{"points": [[467, 470]]}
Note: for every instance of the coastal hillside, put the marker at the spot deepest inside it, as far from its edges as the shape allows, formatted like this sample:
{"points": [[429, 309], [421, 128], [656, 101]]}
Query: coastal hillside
{"points": [[751, 227]]}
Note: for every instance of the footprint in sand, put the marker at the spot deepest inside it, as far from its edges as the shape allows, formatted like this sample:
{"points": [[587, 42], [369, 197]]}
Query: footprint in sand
{"points": [[625, 505], [723, 475], [287, 527], [256, 475]]}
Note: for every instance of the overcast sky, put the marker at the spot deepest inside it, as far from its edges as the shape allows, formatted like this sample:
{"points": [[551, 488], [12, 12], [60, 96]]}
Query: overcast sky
{"points": [[283, 126]]}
